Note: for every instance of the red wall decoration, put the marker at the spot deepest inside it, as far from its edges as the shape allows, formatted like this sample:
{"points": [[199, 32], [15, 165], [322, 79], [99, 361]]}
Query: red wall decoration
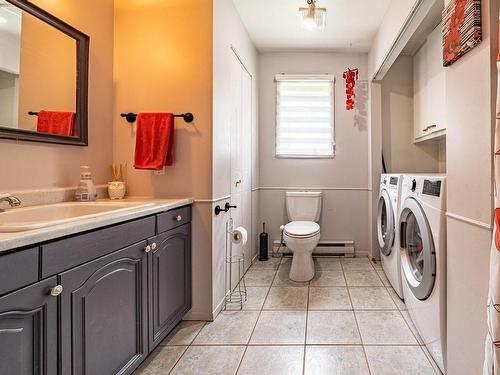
{"points": [[461, 29], [350, 78]]}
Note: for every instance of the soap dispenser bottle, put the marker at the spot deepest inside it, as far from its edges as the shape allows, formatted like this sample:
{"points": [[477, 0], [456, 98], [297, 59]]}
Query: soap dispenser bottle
{"points": [[86, 190]]}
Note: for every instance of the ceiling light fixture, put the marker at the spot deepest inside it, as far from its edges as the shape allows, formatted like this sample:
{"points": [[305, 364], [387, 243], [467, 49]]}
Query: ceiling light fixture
{"points": [[313, 17]]}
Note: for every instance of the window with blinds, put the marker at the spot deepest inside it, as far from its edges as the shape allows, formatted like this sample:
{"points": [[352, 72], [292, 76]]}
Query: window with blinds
{"points": [[305, 116]]}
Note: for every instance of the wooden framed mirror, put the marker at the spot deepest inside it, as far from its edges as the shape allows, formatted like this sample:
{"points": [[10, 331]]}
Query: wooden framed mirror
{"points": [[43, 76]]}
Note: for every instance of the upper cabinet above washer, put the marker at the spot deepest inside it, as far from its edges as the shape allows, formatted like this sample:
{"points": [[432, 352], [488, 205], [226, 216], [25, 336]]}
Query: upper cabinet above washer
{"points": [[429, 89]]}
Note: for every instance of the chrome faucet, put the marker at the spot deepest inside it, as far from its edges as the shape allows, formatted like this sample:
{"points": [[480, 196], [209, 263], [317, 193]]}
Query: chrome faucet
{"points": [[13, 201]]}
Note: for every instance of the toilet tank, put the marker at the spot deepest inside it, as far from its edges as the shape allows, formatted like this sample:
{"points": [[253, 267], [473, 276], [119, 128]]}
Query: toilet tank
{"points": [[303, 205]]}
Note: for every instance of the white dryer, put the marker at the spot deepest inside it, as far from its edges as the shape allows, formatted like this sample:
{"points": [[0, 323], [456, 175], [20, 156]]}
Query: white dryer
{"points": [[388, 229], [423, 258]]}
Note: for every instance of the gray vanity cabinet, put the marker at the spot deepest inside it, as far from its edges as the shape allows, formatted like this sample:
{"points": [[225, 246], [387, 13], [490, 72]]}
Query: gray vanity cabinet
{"points": [[95, 303], [28, 330], [104, 314], [170, 281]]}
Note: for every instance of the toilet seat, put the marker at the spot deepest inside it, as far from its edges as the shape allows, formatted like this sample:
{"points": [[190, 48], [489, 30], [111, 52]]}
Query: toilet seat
{"points": [[301, 229]]}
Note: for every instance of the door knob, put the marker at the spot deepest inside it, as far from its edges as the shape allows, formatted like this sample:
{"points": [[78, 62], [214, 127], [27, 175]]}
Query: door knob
{"points": [[153, 246], [147, 249], [228, 206], [57, 290]]}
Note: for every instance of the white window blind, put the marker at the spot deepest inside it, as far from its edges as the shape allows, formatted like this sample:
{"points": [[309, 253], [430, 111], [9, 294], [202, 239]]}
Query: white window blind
{"points": [[305, 116]]}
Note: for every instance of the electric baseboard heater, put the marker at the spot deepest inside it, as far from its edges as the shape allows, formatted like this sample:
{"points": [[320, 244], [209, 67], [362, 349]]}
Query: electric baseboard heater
{"points": [[324, 248]]}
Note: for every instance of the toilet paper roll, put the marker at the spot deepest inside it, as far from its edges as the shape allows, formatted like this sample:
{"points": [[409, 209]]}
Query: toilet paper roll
{"points": [[239, 236]]}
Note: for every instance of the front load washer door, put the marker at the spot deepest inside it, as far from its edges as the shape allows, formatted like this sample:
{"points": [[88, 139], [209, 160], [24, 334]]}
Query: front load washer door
{"points": [[385, 223], [418, 257]]}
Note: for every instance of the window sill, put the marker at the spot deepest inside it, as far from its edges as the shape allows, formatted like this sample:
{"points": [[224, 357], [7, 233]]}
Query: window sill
{"points": [[304, 157]]}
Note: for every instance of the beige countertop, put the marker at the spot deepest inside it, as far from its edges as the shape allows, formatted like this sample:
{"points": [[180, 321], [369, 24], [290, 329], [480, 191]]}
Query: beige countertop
{"points": [[10, 241]]}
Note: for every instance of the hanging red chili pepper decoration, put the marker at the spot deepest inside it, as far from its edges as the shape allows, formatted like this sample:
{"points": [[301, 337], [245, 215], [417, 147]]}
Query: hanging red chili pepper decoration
{"points": [[350, 78]]}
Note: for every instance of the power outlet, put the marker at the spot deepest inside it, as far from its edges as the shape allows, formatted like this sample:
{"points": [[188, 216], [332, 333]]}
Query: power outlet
{"points": [[159, 172]]}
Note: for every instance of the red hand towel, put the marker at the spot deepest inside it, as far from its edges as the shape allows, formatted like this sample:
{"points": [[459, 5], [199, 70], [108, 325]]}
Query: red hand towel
{"points": [[154, 143], [60, 123], [497, 232]]}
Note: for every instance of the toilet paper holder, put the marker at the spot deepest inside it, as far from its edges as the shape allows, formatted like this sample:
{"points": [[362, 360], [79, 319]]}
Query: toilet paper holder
{"points": [[237, 296], [226, 208]]}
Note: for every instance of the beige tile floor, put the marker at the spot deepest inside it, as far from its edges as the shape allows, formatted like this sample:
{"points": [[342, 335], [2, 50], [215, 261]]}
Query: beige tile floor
{"points": [[347, 320]]}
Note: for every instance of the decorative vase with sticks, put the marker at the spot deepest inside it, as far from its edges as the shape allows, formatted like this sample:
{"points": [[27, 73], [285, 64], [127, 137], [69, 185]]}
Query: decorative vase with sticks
{"points": [[116, 188]]}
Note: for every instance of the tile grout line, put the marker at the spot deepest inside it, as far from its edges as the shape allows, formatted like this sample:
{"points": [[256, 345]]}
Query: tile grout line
{"points": [[419, 344], [307, 318], [258, 317], [285, 344], [404, 319], [387, 288], [357, 326], [182, 355], [261, 309], [187, 347]]}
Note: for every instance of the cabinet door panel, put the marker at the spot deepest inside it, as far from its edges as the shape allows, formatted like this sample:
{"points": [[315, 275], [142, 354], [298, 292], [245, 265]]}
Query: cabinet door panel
{"points": [[420, 92], [28, 331], [170, 281], [436, 82], [104, 321]]}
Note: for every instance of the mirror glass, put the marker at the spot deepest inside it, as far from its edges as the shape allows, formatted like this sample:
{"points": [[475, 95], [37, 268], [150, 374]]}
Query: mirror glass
{"points": [[38, 76]]}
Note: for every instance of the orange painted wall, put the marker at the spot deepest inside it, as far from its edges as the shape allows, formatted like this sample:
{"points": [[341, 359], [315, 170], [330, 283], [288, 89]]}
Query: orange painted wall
{"points": [[163, 62], [31, 165]]}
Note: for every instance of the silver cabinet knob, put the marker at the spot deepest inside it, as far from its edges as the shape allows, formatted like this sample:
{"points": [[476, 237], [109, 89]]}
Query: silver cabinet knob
{"points": [[57, 290], [153, 246], [178, 218], [147, 249]]}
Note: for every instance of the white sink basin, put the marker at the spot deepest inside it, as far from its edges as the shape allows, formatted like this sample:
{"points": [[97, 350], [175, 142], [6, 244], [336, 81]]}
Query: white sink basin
{"points": [[36, 217]]}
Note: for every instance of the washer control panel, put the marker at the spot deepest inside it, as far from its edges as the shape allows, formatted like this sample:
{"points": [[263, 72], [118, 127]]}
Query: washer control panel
{"points": [[432, 188]]}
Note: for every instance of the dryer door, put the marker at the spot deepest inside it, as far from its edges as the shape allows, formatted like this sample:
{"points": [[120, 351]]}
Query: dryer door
{"points": [[385, 223], [418, 258]]}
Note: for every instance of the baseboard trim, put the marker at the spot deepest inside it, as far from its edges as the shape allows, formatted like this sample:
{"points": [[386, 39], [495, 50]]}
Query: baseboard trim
{"points": [[218, 308], [199, 315], [324, 248]]}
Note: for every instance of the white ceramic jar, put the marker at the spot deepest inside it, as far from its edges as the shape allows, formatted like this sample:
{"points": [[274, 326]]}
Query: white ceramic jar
{"points": [[116, 189]]}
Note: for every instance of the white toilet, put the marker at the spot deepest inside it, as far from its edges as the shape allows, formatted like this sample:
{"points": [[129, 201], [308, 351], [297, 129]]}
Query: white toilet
{"points": [[302, 234]]}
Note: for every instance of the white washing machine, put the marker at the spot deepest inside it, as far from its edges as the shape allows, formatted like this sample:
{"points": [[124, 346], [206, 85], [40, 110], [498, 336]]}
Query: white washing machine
{"points": [[388, 229], [422, 223]]}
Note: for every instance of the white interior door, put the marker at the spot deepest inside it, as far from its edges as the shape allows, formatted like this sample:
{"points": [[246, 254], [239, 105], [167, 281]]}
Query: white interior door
{"points": [[241, 153]]}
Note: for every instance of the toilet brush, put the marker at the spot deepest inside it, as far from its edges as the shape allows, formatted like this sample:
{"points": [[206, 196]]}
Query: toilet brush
{"points": [[263, 244]]}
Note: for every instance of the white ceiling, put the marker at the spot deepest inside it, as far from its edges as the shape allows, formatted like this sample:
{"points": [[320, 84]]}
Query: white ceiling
{"points": [[276, 24]]}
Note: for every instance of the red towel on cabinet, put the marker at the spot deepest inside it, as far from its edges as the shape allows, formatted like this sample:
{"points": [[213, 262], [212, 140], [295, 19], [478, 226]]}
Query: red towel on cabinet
{"points": [[154, 143], [59, 123]]}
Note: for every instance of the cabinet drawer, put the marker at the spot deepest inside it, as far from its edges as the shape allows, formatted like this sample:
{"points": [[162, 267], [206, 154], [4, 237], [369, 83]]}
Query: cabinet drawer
{"points": [[18, 269], [174, 218], [62, 255]]}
